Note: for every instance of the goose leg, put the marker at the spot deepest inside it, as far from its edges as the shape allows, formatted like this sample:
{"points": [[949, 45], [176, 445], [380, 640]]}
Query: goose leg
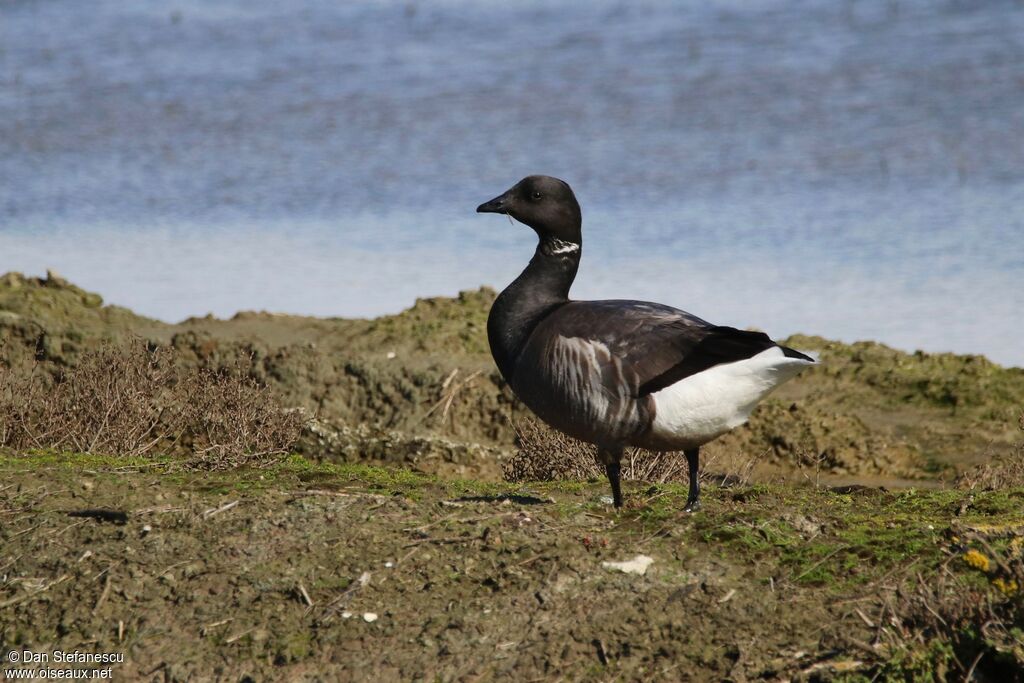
{"points": [[613, 468], [693, 461]]}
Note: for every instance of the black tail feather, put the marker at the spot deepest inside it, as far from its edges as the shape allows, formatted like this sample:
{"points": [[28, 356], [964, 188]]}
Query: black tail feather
{"points": [[792, 353]]}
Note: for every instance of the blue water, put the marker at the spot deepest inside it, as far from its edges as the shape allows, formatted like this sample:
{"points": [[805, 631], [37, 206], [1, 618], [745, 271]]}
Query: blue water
{"points": [[852, 169]]}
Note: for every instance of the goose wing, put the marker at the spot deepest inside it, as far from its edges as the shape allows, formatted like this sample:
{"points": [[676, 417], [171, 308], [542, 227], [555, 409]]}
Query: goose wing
{"points": [[651, 345]]}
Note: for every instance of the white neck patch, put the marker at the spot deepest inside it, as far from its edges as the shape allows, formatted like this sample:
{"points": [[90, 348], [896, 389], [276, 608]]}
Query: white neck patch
{"points": [[557, 247]]}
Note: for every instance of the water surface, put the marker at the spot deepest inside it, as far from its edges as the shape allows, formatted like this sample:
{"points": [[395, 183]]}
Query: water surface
{"points": [[852, 169]]}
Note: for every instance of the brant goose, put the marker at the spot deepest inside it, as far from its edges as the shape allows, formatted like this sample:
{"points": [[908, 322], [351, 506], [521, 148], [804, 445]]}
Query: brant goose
{"points": [[619, 373]]}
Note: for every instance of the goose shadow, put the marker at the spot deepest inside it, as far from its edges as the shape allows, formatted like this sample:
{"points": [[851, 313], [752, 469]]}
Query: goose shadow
{"points": [[518, 499]]}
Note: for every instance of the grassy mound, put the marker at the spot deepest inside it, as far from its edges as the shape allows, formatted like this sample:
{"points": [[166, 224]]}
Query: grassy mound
{"points": [[868, 411]]}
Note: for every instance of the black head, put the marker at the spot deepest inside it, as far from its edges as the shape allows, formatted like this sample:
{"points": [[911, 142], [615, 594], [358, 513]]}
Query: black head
{"points": [[544, 203]]}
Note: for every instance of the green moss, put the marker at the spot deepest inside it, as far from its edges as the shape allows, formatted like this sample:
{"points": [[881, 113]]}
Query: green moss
{"points": [[394, 479], [294, 647], [470, 487], [988, 503], [576, 487], [933, 662], [745, 533], [73, 460]]}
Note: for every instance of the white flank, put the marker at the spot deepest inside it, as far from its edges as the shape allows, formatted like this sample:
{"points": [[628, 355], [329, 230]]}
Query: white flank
{"points": [[700, 407]]}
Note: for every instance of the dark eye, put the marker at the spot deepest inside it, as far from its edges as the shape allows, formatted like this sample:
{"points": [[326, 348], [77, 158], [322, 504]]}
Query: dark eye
{"points": [[536, 194]]}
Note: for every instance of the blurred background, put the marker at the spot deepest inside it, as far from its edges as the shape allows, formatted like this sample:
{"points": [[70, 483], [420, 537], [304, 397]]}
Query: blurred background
{"points": [[849, 169]]}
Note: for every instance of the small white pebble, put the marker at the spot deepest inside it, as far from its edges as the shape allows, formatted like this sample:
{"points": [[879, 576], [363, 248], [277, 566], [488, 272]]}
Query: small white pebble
{"points": [[346, 615], [369, 617], [638, 565], [389, 565], [146, 529], [930, 526], [391, 355]]}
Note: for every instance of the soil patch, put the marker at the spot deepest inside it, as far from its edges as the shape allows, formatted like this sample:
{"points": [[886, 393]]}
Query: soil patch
{"points": [[325, 572]]}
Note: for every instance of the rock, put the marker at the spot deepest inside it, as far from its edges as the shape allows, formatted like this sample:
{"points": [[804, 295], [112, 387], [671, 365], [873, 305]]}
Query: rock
{"points": [[53, 279]]}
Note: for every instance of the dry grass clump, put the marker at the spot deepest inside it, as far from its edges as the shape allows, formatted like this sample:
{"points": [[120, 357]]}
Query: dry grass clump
{"points": [[136, 400], [110, 403], [232, 420], [1004, 471], [545, 454]]}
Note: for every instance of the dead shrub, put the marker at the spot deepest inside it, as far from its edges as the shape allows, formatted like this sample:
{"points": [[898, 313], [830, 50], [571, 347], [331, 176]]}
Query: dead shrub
{"points": [[231, 420], [136, 400], [545, 454], [112, 401], [1004, 471]]}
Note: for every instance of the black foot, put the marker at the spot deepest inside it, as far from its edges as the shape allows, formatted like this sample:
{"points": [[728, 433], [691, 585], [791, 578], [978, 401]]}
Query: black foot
{"points": [[693, 463], [615, 480]]}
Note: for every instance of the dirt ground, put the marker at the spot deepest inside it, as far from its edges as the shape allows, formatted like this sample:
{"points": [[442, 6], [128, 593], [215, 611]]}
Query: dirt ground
{"points": [[391, 549], [326, 572]]}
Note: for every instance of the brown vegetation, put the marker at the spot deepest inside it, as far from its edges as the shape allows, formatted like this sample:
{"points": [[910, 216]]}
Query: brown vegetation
{"points": [[1004, 470], [135, 400], [544, 454]]}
